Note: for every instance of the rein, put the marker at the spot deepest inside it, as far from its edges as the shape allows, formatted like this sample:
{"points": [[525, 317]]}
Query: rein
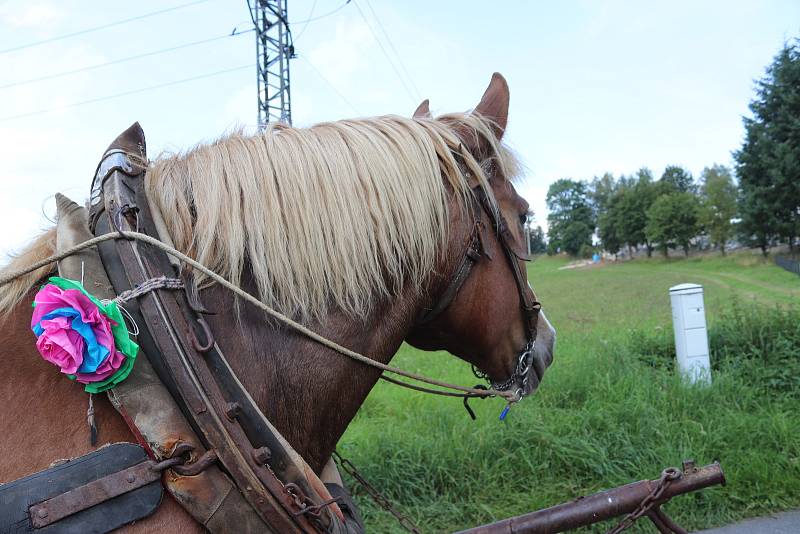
{"points": [[463, 390]]}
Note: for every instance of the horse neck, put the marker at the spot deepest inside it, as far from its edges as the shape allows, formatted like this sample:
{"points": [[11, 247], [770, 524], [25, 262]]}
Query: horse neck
{"points": [[310, 393]]}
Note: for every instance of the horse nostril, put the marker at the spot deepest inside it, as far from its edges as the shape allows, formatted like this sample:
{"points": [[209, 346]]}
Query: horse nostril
{"points": [[540, 365], [534, 379]]}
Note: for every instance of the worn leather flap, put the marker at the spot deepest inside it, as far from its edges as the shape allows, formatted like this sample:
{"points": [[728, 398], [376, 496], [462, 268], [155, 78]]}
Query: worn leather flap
{"points": [[18, 496]]}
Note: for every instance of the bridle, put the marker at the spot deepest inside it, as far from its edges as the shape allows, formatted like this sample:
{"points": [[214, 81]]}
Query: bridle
{"points": [[475, 250]]}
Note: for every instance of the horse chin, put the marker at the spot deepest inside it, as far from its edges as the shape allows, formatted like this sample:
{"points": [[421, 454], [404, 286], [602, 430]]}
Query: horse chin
{"points": [[545, 340], [542, 357]]}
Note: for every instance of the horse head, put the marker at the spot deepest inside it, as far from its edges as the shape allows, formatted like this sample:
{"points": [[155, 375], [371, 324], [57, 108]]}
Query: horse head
{"points": [[489, 316]]}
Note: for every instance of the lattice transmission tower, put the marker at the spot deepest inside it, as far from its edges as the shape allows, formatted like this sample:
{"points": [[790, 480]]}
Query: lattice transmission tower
{"points": [[274, 49]]}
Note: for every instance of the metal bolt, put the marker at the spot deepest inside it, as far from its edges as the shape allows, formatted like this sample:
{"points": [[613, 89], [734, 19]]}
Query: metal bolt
{"points": [[130, 478], [42, 513], [262, 455], [689, 466], [232, 410]]}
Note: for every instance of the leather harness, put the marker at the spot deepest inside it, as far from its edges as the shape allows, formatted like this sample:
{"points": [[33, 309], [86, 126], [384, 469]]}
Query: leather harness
{"points": [[230, 426]]}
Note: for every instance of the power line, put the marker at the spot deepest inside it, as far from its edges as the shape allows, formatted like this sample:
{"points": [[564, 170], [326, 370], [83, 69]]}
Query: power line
{"points": [[391, 45], [333, 87], [122, 60], [126, 93], [386, 55], [308, 19], [101, 27], [328, 14]]}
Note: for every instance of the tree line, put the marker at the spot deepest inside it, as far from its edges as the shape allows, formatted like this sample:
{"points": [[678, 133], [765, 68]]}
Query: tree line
{"points": [[759, 207]]}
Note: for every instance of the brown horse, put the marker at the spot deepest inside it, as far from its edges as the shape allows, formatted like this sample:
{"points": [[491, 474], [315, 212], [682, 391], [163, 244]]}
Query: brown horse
{"points": [[356, 228]]}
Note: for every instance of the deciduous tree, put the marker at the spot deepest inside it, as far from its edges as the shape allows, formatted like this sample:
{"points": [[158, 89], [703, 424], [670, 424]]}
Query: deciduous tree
{"points": [[538, 245], [570, 218], [718, 204], [609, 223], [632, 210], [672, 221], [677, 179]]}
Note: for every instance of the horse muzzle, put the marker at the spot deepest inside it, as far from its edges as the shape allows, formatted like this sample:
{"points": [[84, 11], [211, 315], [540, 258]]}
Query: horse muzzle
{"points": [[532, 362]]}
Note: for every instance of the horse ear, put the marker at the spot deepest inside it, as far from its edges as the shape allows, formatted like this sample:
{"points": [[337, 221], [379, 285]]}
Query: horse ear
{"points": [[423, 111], [494, 104]]}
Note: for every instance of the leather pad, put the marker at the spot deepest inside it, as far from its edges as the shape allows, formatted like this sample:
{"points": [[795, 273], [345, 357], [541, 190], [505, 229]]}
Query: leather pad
{"points": [[18, 496]]}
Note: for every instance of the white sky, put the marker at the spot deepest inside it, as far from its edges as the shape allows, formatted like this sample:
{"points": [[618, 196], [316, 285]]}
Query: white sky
{"points": [[595, 86]]}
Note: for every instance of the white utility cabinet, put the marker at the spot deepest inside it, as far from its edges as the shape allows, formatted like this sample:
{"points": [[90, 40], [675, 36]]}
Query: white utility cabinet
{"points": [[691, 334]]}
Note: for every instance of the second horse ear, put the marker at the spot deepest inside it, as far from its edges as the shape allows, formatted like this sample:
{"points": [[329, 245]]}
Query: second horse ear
{"points": [[494, 104], [423, 110]]}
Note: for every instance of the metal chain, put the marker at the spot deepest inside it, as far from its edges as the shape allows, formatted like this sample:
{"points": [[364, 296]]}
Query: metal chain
{"points": [[669, 475], [376, 495]]}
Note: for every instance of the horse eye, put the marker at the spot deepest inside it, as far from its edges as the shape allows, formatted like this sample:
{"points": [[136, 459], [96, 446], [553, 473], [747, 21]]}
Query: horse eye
{"points": [[523, 219]]}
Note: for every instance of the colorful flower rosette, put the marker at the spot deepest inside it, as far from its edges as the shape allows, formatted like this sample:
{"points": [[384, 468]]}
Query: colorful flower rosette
{"points": [[84, 337]]}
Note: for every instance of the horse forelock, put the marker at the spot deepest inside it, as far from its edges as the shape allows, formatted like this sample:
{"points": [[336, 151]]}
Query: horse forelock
{"points": [[339, 215]]}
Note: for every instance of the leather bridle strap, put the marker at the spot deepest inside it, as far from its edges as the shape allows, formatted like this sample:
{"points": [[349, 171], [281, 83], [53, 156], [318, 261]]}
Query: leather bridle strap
{"points": [[530, 306], [471, 257]]}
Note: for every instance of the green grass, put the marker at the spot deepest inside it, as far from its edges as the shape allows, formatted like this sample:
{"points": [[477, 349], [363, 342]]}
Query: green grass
{"points": [[610, 410]]}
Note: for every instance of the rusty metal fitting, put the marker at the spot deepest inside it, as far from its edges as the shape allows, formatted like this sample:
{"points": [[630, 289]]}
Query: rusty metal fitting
{"points": [[195, 468], [262, 455], [167, 464], [232, 410]]}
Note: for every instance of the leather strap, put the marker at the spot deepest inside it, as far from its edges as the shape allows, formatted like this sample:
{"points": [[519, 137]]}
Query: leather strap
{"points": [[528, 303], [197, 374], [98, 492], [146, 405], [475, 250], [173, 329], [471, 257]]}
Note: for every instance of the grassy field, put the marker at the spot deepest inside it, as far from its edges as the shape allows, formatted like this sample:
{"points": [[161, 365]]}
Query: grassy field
{"points": [[610, 410]]}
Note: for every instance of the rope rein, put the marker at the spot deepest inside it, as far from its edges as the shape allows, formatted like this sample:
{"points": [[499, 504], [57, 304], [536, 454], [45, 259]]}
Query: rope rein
{"points": [[464, 391]]}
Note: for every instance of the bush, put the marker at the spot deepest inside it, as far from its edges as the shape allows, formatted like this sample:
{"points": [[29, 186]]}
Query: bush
{"points": [[655, 349], [755, 339], [761, 340], [586, 251]]}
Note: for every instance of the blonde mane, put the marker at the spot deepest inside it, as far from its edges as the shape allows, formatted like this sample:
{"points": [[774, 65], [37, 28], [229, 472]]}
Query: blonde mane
{"points": [[337, 215], [333, 215]]}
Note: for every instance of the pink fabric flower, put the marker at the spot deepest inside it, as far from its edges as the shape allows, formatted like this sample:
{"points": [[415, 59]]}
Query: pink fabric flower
{"points": [[60, 345], [74, 334], [85, 337], [105, 370]]}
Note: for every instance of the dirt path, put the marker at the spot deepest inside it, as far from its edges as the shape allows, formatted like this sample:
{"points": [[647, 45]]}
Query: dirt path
{"points": [[755, 289], [717, 278]]}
